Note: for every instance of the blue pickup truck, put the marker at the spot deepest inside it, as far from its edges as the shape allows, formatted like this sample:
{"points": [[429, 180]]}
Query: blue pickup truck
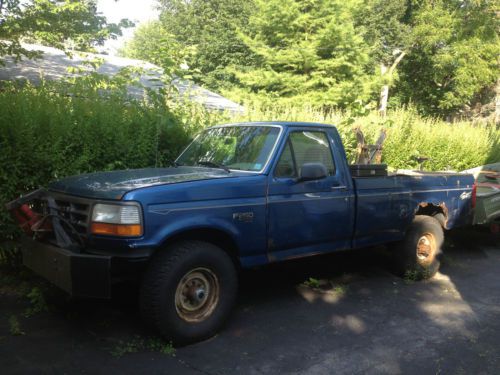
{"points": [[239, 196]]}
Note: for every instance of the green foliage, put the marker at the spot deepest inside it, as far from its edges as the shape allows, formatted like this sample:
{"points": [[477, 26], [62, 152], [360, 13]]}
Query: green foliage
{"points": [[329, 53], [54, 23], [308, 52], [456, 146], [10, 256], [37, 302], [384, 27], [312, 283], [410, 277], [138, 343], [205, 33], [60, 129], [153, 43], [341, 289], [453, 63], [15, 326]]}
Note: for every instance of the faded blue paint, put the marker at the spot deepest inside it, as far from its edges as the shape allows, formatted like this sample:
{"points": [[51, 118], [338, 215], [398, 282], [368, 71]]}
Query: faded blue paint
{"points": [[114, 184], [290, 219]]}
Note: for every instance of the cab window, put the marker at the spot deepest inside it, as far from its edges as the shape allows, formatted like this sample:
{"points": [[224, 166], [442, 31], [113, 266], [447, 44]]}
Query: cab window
{"points": [[305, 147]]}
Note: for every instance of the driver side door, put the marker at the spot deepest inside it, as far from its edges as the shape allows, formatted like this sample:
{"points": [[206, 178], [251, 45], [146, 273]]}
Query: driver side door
{"points": [[310, 216]]}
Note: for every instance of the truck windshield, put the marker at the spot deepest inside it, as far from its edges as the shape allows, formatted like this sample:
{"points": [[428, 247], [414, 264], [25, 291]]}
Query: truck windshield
{"points": [[235, 147]]}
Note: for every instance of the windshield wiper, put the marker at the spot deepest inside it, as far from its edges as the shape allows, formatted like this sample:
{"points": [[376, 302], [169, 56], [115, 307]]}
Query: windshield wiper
{"points": [[211, 164]]}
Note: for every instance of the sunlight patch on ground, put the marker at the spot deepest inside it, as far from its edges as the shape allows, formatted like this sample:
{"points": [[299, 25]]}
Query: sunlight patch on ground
{"points": [[351, 322], [332, 294], [455, 313]]}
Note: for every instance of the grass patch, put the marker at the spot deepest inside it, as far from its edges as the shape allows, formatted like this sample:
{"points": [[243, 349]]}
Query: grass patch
{"points": [[340, 289], [25, 285], [15, 326], [325, 285], [312, 283], [410, 277], [37, 301], [138, 343]]}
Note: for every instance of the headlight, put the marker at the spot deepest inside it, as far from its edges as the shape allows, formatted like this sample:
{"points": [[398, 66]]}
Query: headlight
{"points": [[116, 220]]}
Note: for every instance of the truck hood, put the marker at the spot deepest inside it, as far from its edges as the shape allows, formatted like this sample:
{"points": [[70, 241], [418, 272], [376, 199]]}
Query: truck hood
{"points": [[113, 185]]}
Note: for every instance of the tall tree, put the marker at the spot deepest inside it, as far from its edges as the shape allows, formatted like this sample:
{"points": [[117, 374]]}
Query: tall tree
{"points": [[309, 51], [151, 42], [454, 57], [208, 30], [53, 23], [387, 31]]}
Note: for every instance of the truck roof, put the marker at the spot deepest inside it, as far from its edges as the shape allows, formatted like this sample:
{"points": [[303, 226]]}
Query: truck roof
{"points": [[279, 123]]}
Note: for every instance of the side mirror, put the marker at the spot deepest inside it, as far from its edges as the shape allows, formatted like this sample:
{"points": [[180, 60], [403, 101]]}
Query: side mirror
{"points": [[312, 171]]}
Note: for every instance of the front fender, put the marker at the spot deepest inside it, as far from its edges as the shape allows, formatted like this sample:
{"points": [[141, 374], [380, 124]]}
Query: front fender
{"points": [[243, 220]]}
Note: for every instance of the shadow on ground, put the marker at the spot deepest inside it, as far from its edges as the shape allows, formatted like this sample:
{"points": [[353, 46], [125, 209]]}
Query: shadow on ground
{"points": [[351, 316]]}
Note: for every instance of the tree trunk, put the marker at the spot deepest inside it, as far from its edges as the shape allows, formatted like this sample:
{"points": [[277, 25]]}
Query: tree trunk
{"points": [[497, 102], [384, 93]]}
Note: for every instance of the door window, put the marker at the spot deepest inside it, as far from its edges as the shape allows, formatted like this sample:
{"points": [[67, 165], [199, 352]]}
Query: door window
{"points": [[305, 147]]}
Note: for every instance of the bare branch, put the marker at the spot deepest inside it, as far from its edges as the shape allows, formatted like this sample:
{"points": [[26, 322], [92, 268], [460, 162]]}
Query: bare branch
{"points": [[396, 62]]}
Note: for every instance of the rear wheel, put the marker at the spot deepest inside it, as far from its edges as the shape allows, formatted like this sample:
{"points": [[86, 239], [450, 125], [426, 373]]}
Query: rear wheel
{"points": [[418, 255], [188, 291]]}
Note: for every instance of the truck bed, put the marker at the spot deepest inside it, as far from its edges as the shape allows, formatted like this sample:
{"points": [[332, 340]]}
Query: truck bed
{"points": [[386, 205]]}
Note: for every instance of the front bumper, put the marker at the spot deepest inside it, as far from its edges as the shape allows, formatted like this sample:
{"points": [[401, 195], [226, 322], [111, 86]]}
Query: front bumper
{"points": [[80, 275]]}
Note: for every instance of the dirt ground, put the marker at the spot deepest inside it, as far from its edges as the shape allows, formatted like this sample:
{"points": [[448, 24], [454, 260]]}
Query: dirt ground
{"points": [[339, 314]]}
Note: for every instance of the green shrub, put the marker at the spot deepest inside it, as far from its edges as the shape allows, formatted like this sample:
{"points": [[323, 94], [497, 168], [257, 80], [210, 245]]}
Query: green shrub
{"points": [[56, 130], [450, 146]]}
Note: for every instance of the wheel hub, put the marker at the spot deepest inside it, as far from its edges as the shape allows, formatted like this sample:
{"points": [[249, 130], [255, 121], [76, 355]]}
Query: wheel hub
{"points": [[197, 295], [426, 247]]}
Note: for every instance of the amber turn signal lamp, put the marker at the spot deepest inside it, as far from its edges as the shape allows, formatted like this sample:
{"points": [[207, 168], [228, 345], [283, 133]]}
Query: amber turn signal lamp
{"points": [[125, 230]]}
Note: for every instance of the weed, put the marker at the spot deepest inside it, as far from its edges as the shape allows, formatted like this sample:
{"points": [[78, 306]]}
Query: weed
{"points": [[327, 286], [410, 276], [159, 345], [340, 289], [13, 282], [10, 256], [15, 326], [126, 347], [37, 302], [312, 283], [138, 343]]}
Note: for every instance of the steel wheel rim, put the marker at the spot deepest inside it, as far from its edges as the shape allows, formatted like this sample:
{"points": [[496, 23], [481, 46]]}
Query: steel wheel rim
{"points": [[426, 248], [197, 295]]}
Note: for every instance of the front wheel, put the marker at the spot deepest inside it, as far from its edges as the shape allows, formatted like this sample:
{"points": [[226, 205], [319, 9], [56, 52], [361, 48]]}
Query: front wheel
{"points": [[188, 291], [418, 255]]}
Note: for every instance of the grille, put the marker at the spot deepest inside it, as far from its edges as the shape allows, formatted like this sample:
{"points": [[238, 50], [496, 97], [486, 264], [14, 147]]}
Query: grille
{"points": [[75, 212]]}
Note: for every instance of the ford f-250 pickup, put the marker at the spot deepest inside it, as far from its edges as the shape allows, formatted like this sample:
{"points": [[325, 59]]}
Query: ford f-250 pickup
{"points": [[240, 195]]}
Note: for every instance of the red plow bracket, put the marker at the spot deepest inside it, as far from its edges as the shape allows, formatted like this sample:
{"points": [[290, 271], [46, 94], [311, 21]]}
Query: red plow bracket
{"points": [[30, 221]]}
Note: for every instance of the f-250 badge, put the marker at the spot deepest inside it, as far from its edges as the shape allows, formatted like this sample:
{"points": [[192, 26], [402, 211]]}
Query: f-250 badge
{"points": [[246, 217]]}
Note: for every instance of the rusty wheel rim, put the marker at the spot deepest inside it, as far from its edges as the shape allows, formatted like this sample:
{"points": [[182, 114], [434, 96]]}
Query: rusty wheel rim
{"points": [[426, 248], [197, 295]]}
